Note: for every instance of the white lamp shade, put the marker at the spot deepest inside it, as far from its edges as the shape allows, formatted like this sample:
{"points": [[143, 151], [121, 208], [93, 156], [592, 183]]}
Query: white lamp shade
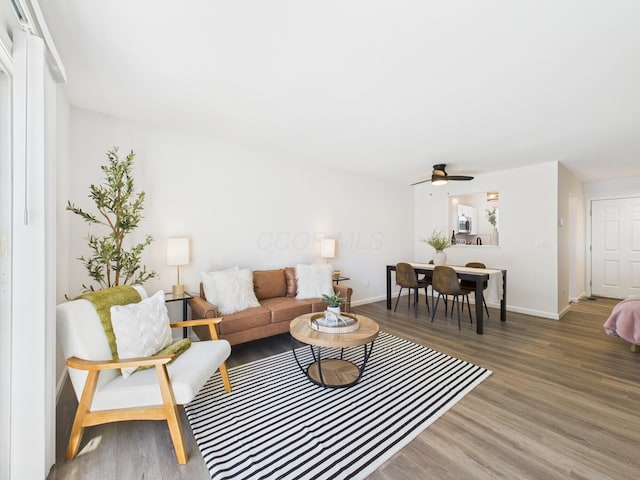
{"points": [[328, 248], [177, 251]]}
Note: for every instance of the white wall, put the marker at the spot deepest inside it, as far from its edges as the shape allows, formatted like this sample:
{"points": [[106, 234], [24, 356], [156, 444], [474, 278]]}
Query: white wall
{"points": [[528, 232], [571, 239], [238, 206], [63, 179]]}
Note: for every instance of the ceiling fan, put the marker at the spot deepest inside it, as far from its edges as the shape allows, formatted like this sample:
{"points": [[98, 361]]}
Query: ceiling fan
{"points": [[439, 176]]}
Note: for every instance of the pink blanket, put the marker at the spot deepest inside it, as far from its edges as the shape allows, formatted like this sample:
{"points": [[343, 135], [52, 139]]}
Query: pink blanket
{"points": [[624, 321]]}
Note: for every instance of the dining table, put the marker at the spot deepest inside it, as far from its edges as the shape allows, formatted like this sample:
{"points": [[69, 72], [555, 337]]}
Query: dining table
{"points": [[496, 287]]}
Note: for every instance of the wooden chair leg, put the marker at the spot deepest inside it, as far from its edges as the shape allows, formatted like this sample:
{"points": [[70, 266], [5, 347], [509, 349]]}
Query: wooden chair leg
{"points": [[84, 406], [172, 414], [225, 376]]}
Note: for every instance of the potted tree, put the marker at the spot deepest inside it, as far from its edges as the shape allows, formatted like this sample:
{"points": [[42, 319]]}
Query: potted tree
{"points": [[439, 241], [120, 211]]}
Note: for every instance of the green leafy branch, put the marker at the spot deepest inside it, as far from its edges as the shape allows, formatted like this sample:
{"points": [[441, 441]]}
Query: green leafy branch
{"points": [[118, 209]]}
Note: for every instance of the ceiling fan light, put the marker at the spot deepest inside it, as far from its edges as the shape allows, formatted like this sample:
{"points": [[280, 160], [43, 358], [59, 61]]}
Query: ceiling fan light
{"points": [[440, 181]]}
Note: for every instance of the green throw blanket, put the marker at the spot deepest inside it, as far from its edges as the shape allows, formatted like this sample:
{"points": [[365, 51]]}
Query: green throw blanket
{"points": [[103, 300], [177, 348]]}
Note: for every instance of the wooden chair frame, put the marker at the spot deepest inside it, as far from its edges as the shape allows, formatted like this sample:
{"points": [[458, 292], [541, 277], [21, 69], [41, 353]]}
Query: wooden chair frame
{"points": [[167, 411]]}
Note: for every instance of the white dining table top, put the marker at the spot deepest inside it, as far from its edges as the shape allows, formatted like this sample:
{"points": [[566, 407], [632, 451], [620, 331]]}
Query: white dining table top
{"points": [[493, 293]]}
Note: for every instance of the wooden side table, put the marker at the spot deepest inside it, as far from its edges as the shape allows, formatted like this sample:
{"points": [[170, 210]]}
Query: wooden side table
{"points": [[170, 297], [333, 372]]}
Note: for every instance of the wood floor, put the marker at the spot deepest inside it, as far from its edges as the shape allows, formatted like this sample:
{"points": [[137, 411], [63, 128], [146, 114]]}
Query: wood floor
{"points": [[563, 402]]}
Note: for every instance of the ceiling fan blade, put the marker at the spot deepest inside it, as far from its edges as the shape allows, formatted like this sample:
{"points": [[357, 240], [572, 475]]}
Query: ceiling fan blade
{"points": [[421, 181], [458, 177]]}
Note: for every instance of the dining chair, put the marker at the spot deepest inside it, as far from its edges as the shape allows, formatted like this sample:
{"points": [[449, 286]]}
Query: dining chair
{"points": [[471, 285], [446, 282], [407, 277]]}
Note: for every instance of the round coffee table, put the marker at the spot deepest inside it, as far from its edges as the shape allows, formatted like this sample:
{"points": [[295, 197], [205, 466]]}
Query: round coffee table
{"points": [[333, 372]]}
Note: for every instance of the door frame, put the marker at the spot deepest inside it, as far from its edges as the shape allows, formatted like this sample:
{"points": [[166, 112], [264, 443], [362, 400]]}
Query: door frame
{"points": [[6, 234], [590, 234]]}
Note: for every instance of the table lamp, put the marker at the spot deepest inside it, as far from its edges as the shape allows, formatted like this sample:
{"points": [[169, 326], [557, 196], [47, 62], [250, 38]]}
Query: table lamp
{"points": [[328, 249], [178, 254]]}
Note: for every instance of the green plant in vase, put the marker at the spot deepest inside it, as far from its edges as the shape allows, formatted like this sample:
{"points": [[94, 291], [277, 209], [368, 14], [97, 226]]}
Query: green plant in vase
{"points": [[492, 218], [334, 300], [439, 241]]}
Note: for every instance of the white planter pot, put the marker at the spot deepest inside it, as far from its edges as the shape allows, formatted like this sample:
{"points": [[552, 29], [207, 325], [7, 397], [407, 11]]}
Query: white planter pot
{"points": [[439, 258], [335, 310], [495, 238]]}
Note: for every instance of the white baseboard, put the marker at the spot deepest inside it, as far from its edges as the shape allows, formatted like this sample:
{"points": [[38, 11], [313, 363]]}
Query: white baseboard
{"points": [[510, 308], [364, 301], [535, 313]]}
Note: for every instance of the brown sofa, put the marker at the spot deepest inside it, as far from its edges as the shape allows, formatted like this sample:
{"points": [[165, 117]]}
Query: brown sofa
{"points": [[276, 291]]}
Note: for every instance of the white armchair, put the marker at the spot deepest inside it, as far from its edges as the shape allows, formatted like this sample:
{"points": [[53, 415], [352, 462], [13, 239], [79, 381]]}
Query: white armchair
{"points": [[105, 396]]}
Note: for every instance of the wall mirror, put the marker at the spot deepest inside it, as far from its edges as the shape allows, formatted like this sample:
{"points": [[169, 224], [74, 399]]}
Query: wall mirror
{"points": [[474, 218]]}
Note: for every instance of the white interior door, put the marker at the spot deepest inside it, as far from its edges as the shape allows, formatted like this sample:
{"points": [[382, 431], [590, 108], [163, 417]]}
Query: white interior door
{"points": [[615, 247]]}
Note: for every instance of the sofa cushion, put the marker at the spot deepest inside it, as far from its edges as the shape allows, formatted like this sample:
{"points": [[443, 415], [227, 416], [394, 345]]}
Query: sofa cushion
{"points": [[249, 318], [285, 309], [269, 283], [292, 286], [314, 280]]}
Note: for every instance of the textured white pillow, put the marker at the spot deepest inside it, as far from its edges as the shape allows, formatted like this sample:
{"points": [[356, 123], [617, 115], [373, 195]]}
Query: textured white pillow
{"points": [[231, 290], [141, 329], [314, 280], [211, 282]]}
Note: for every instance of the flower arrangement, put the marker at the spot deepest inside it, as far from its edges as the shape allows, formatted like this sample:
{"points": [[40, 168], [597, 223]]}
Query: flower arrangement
{"points": [[491, 216], [334, 300], [437, 240]]}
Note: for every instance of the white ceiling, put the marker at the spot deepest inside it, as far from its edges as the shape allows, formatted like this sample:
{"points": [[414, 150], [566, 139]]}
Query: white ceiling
{"points": [[387, 87]]}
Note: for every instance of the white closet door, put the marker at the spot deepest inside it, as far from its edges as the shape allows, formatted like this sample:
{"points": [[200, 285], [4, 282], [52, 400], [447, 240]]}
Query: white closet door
{"points": [[615, 247]]}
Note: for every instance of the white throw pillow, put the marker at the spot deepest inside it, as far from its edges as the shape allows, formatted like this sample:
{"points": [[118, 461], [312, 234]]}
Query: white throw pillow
{"points": [[211, 282], [231, 290], [141, 329], [314, 280]]}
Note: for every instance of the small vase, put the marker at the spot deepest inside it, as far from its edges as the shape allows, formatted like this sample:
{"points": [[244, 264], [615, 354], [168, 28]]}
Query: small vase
{"points": [[439, 258], [495, 238], [335, 310]]}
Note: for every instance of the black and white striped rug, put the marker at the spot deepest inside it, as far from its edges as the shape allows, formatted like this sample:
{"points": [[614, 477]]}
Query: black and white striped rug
{"points": [[276, 424]]}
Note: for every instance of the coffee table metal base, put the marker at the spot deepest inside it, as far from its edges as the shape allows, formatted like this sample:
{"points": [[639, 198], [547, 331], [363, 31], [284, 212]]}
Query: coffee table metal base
{"points": [[333, 372]]}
